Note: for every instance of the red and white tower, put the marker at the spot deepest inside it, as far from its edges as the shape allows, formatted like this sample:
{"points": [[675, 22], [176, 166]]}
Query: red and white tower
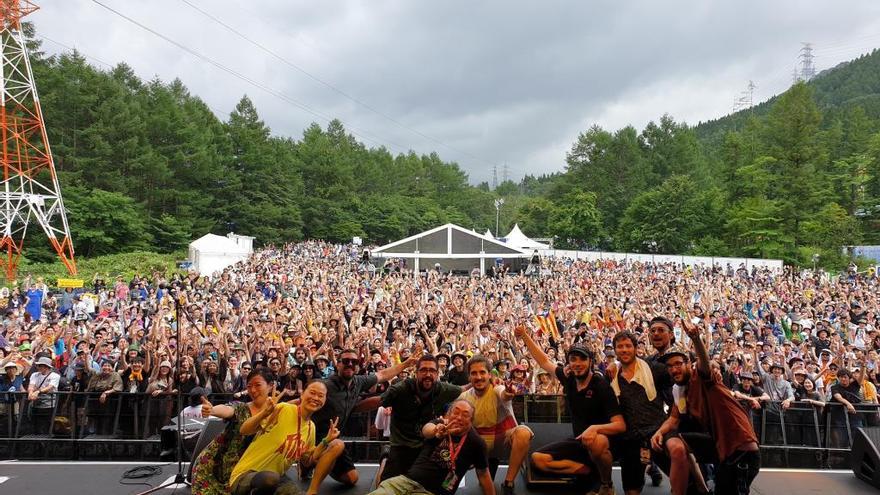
{"points": [[29, 191]]}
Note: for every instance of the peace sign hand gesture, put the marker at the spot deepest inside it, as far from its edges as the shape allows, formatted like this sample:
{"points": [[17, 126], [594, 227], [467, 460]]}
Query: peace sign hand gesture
{"points": [[269, 409], [333, 432]]}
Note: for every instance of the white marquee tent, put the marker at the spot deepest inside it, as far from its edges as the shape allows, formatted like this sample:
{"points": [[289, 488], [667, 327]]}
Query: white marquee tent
{"points": [[517, 239], [212, 253], [454, 248], [489, 234]]}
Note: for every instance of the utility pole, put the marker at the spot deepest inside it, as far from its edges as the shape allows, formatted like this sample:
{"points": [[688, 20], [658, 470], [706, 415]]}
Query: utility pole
{"points": [[498, 203], [29, 191], [494, 177]]}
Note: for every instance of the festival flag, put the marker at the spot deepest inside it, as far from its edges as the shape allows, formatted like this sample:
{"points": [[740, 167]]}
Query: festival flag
{"points": [[547, 324]]}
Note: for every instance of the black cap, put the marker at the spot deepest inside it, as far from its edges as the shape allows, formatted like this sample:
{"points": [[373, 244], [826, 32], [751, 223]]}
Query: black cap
{"points": [[581, 351]]}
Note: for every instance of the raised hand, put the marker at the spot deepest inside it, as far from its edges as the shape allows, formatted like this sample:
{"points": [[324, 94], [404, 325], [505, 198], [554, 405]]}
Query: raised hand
{"points": [[207, 407], [333, 432]]}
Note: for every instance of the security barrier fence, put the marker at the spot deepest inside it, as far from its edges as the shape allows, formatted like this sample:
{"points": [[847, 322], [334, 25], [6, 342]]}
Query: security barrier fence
{"points": [[78, 425]]}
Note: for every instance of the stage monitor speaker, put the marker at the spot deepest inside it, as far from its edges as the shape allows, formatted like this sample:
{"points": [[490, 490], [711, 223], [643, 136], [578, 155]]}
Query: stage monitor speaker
{"points": [[865, 455], [213, 428]]}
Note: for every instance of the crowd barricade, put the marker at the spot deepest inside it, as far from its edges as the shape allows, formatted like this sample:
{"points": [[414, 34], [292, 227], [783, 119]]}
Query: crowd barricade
{"points": [[825, 432]]}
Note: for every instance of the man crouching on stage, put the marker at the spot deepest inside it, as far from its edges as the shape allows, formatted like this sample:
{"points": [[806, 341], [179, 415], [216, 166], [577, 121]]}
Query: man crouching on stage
{"points": [[495, 422], [451, 447], [595, 416], [707, 421], [285, 434]]}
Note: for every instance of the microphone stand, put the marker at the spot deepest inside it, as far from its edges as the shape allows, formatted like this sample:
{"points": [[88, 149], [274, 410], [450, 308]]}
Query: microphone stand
{"points": [[180, 477]]}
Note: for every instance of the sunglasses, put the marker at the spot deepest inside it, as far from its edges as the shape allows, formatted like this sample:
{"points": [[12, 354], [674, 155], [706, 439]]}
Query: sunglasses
{"points": [[349, 362]]}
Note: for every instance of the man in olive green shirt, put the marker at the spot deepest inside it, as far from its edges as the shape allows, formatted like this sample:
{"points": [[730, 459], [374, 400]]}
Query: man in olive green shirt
{"points": [[414, 402]]}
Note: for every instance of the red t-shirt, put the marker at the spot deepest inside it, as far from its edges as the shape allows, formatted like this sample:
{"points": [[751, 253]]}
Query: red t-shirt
{"points": [[711, 404]]}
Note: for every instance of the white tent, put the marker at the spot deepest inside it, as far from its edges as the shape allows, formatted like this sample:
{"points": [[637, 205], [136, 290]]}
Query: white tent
{"points": [[489, 234], [519, 240], [212, 253], [454, 248]]}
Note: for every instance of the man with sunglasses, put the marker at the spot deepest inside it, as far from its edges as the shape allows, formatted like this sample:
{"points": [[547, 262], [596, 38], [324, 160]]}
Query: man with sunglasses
{"points": [[343, 394], [414, 403]]}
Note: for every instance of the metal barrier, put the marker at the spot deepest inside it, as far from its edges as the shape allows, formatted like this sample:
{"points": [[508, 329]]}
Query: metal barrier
{"points": [[77, 418]]}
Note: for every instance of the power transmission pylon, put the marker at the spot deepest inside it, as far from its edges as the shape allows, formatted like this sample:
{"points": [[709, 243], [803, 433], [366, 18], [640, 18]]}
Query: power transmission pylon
{"points": [[29, 191], [808, 70]]}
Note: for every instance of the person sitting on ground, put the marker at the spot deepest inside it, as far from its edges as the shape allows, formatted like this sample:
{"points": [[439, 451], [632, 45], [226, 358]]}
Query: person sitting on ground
{"points": [[452, 447], [285, 434]]}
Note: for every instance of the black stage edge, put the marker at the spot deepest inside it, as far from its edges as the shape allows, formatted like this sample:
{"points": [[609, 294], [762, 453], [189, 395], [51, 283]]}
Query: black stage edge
{"points": [[35, 477]]}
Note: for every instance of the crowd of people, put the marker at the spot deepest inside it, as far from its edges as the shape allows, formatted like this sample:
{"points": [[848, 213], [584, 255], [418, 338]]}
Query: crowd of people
{"points": [[660, 365]]}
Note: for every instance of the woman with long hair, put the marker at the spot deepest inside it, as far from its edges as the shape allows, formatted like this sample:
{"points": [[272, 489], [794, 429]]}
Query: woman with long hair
{"points": [[214, 464]]}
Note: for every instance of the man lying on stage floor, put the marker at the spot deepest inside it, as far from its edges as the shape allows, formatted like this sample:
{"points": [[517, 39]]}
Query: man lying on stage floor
{"points": [[452, 447]]}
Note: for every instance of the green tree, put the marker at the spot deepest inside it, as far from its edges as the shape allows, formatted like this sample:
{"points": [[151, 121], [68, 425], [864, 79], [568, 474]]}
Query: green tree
{"points": [[669, 218], [576, 220]]}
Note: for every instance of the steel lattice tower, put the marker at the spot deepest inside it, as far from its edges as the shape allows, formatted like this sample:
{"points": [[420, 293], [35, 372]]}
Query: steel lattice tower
{"points": [[29, 191]]}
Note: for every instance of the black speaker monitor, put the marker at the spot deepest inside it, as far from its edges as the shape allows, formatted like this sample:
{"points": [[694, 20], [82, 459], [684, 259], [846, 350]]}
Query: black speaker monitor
{"points": [[865, 455]]}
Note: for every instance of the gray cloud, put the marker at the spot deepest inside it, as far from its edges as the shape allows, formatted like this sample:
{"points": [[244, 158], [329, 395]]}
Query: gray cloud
{"points": [[503, 82]]}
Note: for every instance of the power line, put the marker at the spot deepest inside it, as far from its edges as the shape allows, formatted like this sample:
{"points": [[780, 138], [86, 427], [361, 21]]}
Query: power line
{"points": [[331, 86], [218, 113], [362, 134]]}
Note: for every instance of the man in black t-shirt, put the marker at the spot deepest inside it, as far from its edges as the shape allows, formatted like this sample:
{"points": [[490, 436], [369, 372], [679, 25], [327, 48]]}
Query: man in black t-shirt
{"points": [[343, 393], [595, 416], [451, 447], [747, 391]]}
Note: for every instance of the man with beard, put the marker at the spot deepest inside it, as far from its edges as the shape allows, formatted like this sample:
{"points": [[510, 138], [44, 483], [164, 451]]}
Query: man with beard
{"points": [[595, 416], [704, 405], [662, 336], [636, 385], [495, 422], [414, 402], [343, 393]]}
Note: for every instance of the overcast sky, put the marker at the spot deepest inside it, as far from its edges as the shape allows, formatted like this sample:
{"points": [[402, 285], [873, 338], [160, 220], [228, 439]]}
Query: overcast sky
{"points": [[482, 83]]}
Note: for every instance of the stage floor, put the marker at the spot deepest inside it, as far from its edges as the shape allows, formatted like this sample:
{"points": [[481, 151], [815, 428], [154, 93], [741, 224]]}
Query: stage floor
{"points": [[35, 477]]}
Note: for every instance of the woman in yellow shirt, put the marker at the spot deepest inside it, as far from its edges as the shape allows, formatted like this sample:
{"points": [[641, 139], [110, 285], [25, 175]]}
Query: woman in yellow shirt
{"points": [[284, 434]]}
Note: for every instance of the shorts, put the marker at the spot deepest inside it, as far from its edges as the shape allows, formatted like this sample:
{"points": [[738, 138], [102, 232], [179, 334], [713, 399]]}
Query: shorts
{"points": [[343, 465], [569, 450]]}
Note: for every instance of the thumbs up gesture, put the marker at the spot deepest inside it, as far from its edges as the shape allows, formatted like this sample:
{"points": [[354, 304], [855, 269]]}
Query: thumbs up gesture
{"points": [[207, 408]]}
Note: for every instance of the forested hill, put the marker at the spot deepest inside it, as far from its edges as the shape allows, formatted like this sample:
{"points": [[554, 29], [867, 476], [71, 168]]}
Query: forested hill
{"points": [[849, 84], [145, 165]]}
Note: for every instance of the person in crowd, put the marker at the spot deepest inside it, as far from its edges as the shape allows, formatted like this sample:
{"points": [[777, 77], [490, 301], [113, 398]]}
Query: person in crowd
{"points": [[495, 422], [451, 448], [595, 417], [704, 405], [284, 434], [413, 403], [104, 384], [42, 385], [456, 374]]}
